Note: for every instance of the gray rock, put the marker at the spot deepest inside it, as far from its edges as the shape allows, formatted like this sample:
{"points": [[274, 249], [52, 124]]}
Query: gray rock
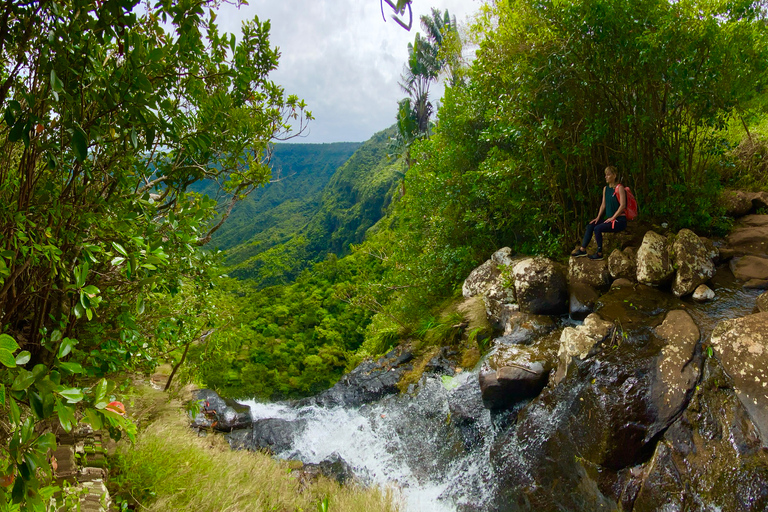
{"points": [[703, 293], [582, 299], [654, 266], [480, 279], [621, 282], [750, 267], [591, 272], [576, 342], [540, 286], [756, 284], [692, 261], [762, 303], [741, 345], [333, 468], [273, 435], [220, 413], [504, 256], [736, 202], [623, 264], [749, 236], [522, 328]]}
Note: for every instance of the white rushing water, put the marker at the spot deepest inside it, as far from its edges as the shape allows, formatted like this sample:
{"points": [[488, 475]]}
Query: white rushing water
{"points": [[407, 443]]}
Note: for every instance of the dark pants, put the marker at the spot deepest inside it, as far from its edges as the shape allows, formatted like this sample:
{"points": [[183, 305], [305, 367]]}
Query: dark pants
{"points": [[603, 227]]}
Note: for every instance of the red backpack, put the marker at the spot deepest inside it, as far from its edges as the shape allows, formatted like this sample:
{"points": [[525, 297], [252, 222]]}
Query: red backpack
{"points": [[631, 209]]}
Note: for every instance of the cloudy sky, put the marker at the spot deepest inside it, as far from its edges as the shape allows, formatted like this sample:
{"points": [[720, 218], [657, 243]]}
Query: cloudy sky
{"points": [[342, 58]]}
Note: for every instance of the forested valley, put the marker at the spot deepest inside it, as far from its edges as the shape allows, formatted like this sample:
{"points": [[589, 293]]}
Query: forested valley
{"points": [[152, 217]]}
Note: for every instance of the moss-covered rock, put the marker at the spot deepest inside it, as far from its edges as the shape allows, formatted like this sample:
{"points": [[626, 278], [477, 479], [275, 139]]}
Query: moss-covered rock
{"points": [[540, 286], [591, 272], [654, 266], [623, 264], [692, 261]]}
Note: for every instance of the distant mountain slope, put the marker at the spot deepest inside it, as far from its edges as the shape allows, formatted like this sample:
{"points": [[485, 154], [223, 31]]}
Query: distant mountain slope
{"points": [[354, 199], [273, 214]]}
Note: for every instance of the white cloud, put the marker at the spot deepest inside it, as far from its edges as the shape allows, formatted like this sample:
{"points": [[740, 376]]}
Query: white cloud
{"points": [[341, 57]]}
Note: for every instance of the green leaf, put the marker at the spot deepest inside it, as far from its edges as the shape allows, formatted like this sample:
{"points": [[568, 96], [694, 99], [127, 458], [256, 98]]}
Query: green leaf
{"points": [[66, 346], [79, 143], [71, 367], [46, 442], [94, 419], [119, 248], [66, 415], [8, 343], [73, 395], [56, 84], [79, 310], [36, 403], [17, 132], [23, 380], [7, 359], [15, 412], [100, 390], [91, 290], [23, 357], [89, 314]]}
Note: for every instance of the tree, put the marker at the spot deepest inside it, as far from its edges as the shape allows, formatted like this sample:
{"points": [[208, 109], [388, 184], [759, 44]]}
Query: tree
{"points": [[111, 111]]}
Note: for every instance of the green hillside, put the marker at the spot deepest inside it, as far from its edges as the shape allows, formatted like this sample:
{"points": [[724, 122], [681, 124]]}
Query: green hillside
{"points": [[355, 198], [271, 215]]}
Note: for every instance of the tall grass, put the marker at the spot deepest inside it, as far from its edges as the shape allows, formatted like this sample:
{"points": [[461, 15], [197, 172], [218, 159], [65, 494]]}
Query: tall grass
{"points": [[170, 468]]}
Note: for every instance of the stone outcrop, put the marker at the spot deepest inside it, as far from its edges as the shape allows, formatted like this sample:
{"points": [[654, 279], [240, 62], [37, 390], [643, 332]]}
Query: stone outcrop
{"points": [[522, 328], [654, 266], [623, 264], [540, 286], [591, 272], [741, 345], [496, 288], [692, 261]]}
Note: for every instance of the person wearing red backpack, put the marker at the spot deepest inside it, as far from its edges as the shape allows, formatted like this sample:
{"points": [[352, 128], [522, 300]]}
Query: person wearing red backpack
{"points": [[611, 218]]}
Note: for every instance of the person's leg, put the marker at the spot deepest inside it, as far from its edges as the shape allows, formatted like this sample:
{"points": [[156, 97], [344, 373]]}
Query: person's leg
{"points": [[607, 227], [587, 235]]}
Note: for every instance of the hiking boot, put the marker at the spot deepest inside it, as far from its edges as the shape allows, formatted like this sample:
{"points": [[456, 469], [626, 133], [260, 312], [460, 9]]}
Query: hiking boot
{"points": [[597, 256], [577, 253]]}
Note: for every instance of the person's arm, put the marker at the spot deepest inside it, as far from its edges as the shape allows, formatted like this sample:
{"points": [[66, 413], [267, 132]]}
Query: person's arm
{"points": [[622, 203], [602, 210]]}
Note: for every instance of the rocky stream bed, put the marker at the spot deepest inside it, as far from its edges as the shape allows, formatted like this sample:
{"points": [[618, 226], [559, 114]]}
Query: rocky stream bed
{"points": [[637, 383]]}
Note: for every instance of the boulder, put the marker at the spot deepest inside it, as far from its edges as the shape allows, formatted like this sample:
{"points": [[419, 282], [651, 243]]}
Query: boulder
{"points": [[692, 261], [741, 344], [623, 264], [709, 459], [621, 282], [676, 378], [332, 467], [540, 286], [523, 328], [737, 203], [591, 272], [749, 236], [467, 409], [713, 252], [703, 293], [582, 299], [750, 267], [762, 303], [756, 284], [273, 435], [504, 257], [515, 373], [573, 446], [654, 266], [576, 342], [368, 382], [480, 279], [220, 413]]}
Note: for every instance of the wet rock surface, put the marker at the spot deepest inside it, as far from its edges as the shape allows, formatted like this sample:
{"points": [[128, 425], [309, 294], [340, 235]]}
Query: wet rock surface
{"points": [[220, 413], [368, 382], [709, 459], [762, 303], [334, 468], [273, 435], [750, 267], [703, 293], [581, 300], [522, 328], [540, 286], [749, 236], [570, 445], [741, 345]]}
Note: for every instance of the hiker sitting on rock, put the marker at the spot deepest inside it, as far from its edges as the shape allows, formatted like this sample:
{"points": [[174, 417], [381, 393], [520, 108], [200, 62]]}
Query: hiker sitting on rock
{"points": [[613, 206]]}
